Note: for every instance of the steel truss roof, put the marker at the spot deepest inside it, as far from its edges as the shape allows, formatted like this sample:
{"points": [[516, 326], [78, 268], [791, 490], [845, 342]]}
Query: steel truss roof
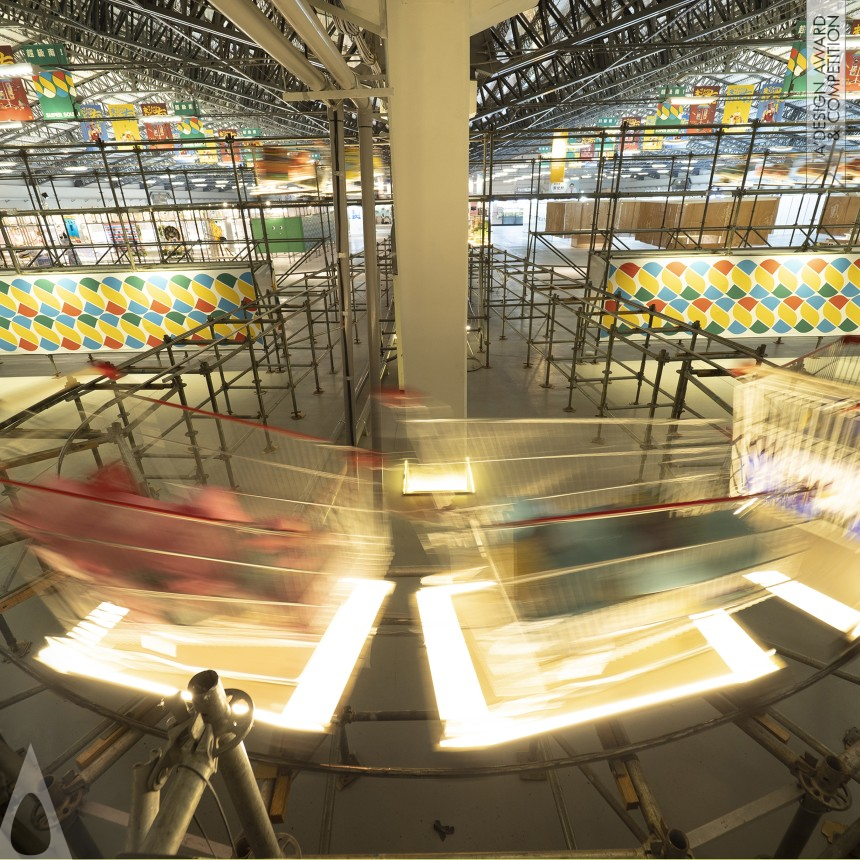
{"points": [[562, 63]]}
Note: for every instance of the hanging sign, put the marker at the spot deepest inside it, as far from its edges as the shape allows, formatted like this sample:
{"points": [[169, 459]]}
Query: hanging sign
{"points": [[226, 146], [14, 105], [633, 138], [795, 81], [669, 114], [93, 127], [852, 71], [124, 121], [54, 87], [738, 105], [703, 114], [190, 126], [47, 56], [770, 103], [248, 146], [56, 91], [852, 62], [558, 154], [651, 142], [607, 143], [156, 131]]}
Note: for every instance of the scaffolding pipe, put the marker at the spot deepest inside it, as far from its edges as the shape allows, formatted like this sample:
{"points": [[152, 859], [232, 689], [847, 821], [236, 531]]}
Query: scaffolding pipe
{"points": [[371, 269], [210, 701]]}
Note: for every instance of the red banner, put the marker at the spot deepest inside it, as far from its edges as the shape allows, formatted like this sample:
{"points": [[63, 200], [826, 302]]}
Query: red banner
{"points": [[633, 138], [156, 131], [704, 114], [852, 71], [14, 105], [226, 148]]}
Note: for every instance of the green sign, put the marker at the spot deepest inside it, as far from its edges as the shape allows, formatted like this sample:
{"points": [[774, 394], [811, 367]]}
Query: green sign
{"points": [[47, 56], [190, 126], [250, 132], [186, 108]]}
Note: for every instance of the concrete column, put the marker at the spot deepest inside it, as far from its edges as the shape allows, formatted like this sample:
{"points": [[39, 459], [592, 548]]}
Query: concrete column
{"points": [[428, 70]]}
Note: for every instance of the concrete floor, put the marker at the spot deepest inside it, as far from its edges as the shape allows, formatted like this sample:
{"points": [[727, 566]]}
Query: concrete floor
{"points": [[696, 780]]}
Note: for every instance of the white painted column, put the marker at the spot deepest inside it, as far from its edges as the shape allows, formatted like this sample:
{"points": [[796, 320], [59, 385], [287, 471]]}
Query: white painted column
{"points": [[428, 70]]}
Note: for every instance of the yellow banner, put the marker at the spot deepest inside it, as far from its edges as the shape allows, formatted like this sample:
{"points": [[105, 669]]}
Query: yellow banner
{"points": [[737, 110], [558, 154], [124, 121]]}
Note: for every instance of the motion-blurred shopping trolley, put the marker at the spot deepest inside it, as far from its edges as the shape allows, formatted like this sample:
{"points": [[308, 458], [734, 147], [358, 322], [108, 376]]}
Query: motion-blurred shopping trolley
{"points": [[797, 432], [591, 568], [205, 542]]}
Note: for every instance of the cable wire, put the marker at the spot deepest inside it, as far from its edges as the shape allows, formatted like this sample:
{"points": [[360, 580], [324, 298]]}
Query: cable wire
{"points": [[223, 815], [203, 834]]}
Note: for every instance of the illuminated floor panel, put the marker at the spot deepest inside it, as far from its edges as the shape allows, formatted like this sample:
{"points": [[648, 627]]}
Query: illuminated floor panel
{"points": [[523, 684], [295, 682]]}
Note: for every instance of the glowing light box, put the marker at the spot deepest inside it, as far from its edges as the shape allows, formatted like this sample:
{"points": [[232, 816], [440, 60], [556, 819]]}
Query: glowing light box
{"points": [[497, 679], [295, 680]]}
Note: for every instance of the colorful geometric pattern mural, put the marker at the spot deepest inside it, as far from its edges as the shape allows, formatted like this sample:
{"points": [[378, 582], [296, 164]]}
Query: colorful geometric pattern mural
{"points": [[795, 294], [132, 310]]}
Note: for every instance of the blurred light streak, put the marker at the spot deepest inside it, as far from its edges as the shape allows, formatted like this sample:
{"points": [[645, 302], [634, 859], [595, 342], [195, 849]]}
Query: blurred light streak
{"points": [[437, 478], [736, 647], [809, 600], [459, 697], [324, 678]]}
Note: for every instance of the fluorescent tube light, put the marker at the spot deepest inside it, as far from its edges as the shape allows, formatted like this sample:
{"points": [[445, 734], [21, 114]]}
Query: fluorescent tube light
{"points": [[809, 600], [15, 70], [322, 682]]}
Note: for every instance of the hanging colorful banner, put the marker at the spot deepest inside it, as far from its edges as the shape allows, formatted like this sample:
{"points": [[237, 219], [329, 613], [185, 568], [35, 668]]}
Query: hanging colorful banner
{"points": [[46, 56], [124, 122], [852, 62], [558, 154], [589, 148], [56, 91], [14, 106], [770, 103], [248, 146], [651, 142], [795, 81], [156, 131], [633, 137], [704, 114], [852, 71], [209, 152], [226, 146], [738, 105], [93, 127], [606, 144], [669, 114], [190, 126]]}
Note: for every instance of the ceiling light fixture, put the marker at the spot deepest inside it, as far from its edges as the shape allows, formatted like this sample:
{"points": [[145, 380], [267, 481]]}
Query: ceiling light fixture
{"points": [[16, 70], [692, 100]]}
